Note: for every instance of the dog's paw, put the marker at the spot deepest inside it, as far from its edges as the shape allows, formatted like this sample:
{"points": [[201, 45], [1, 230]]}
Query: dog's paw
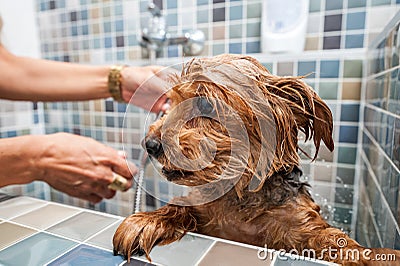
{"points": [[140, 232]]}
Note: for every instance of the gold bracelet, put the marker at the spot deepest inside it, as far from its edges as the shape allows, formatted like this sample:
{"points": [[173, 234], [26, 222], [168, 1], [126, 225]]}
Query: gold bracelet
{"points": [[114, 82]]}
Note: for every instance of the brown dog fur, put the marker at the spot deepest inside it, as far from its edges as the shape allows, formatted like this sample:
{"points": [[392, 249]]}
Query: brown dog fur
{"points": [[279, 212]]}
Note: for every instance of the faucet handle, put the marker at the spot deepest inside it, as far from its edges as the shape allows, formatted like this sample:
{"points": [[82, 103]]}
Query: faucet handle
{"points": [[154, 10]]}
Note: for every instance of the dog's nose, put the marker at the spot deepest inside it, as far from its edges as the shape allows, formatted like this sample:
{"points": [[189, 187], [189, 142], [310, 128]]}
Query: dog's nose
{"points": [[153, 147]]}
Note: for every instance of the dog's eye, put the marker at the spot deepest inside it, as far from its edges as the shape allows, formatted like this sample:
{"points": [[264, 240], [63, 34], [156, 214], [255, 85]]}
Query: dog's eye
{"points": [[204, 106]]}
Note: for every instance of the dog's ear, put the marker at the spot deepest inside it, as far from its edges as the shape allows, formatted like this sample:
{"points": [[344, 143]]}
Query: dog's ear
{"points": [[311, 114]]}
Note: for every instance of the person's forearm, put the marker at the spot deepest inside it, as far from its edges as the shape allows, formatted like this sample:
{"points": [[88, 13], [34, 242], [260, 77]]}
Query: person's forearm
{"points": [[17, 159], [43, 80]]}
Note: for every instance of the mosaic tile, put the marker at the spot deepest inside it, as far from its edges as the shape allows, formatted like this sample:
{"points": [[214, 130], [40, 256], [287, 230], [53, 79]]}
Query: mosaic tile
{"points": [[226, 254], [333, 23], [347, 155], [356, 3], [355, 21], [351, 90], [104, 239], [236, 12], [329, 69], [331, 42], [348, 134], [354, 41], [35, 250], [306, 68], [218, 14], [82, 225], [17, 206], [350, 112], [191, 248], [87, 255], [45, 216], [352, 68], [328, 90], [285, 69], [333, 4], [12, 233]]}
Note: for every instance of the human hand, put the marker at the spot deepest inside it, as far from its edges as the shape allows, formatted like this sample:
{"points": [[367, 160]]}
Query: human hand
{"points": [[147, 85], [80, 166]]}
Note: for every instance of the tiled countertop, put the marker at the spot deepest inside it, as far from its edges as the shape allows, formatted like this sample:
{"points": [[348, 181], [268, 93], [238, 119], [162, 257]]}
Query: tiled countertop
{"points": [[37, 232]]}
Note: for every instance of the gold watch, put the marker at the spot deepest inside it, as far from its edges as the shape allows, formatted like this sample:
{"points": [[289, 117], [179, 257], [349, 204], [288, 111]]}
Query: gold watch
{"points": [[114, 82]]}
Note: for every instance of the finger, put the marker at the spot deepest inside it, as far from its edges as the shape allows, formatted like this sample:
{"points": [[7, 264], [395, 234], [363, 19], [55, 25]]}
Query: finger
{"points": [[160, 105], [109, 193], [125, 168]]}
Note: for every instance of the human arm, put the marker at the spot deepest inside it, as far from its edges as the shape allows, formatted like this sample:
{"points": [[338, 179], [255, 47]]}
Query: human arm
{"points": [[76, 165], [24, 78]]}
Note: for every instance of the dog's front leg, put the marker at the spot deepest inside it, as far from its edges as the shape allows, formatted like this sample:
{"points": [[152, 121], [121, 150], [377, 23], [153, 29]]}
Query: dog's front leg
{"points": [[140, 232]]}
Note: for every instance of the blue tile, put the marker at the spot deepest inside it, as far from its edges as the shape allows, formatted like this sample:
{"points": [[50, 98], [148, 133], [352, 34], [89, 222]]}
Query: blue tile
{"points": [[84, 14], [333, 4], [252, 47], [172, 4], [350, 112], [43, 6], [202, 2], [356, 3], [107, 26], [87, 255], [38, 249], [347, 155], [74, 30], [119, 25], [355, 21], [85, 29], [329, 69], [202, 16], [380, 2], [107, 42], [253, 29], [305, 68], [173, 51], [235, 12], [172, 19], [235, 48], [354, 41], [83, 2], [348, 134], [11, 133]]}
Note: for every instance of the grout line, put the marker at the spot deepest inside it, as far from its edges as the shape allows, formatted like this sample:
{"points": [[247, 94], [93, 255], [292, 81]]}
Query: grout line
{"points": [[376, 144], [381, 110], [206, 252], [381, 194], [101, 231]]}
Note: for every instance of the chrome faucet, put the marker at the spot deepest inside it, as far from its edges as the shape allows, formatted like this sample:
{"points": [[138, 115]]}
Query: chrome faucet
{"points": [[155, 36]]}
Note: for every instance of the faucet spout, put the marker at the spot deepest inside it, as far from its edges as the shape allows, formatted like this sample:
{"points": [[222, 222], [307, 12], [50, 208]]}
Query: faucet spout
{"points": [[155, 36]]}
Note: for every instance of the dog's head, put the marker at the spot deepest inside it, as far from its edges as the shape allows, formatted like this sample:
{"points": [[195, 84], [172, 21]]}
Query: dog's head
{"points": [[229, 117]]}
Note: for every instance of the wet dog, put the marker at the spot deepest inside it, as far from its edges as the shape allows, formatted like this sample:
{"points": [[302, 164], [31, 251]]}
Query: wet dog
{"points": [[232, 136]]}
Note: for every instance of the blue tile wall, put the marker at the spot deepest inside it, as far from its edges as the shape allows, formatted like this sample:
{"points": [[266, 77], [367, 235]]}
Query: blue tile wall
{"points": [[380, 175]]}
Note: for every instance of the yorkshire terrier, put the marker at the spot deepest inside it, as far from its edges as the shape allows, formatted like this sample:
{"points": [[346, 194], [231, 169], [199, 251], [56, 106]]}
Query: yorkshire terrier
{"points": [[232, 135]]}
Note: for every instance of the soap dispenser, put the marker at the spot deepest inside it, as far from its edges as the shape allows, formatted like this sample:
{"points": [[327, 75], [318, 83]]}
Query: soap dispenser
{"points": [[284, 25]]}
